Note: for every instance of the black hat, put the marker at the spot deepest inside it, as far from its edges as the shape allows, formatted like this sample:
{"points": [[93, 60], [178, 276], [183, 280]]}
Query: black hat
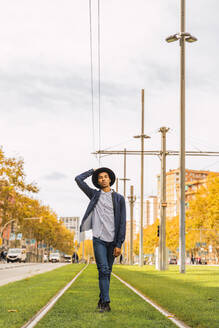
{"points": [[100, 170]]}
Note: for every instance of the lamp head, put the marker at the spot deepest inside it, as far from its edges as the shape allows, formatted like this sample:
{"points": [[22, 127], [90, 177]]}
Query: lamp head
{"points": [[191, 39], [172, 38]]}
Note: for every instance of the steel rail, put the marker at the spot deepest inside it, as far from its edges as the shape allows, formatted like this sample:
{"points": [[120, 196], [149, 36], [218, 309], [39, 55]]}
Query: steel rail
{"points": [[167, 314], [44, 310]]}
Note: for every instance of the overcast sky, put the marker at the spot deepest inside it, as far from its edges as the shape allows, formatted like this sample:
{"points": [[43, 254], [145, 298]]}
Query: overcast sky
{"points": [[45, 94]]}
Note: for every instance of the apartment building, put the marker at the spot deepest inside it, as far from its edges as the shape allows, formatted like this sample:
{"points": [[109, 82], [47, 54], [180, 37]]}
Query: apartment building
{"points": [[151, 210], [72, 224], [194, 179]]}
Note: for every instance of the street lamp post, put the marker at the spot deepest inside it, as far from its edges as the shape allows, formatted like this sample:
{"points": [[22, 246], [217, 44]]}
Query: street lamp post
{"points": [[132, 200], [163, 204], [125, 179], [117, 184], [142, 136], [182, 37]]}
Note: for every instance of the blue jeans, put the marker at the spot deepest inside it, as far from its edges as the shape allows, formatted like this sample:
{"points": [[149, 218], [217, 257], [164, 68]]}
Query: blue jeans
{"points": [[104, 257]]}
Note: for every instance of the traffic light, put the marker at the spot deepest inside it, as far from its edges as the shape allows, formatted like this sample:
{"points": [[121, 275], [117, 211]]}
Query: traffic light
{"points": [[158, 231]]}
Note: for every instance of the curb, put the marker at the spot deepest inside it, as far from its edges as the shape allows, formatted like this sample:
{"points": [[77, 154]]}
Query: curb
{"points": [[18, 266]]}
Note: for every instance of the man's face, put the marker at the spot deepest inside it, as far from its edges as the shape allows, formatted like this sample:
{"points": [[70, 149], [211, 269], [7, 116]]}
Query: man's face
{"points": [[104, 180]]}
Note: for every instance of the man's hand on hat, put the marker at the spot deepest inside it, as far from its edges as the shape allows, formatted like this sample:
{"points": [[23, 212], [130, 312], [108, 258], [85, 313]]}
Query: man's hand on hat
{"points": [[117, 251]]}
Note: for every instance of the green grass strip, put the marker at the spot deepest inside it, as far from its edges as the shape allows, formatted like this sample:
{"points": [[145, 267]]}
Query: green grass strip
{"points": [[193, 297], [28, 296], [76, 308]]}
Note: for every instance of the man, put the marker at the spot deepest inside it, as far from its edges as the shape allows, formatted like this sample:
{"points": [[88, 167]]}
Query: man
{"points": [[75, 258], [106, 216]]}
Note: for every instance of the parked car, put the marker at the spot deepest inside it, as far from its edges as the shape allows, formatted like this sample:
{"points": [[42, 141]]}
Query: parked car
{"points": [[16, 255], [199, 260], [54, 257], [173, 261], [67, 258]]}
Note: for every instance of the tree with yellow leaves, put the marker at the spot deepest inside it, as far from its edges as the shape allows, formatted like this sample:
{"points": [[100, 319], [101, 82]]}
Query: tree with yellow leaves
{"points": [[203, 214], [88, 249], [13, 185], [17, 205]]}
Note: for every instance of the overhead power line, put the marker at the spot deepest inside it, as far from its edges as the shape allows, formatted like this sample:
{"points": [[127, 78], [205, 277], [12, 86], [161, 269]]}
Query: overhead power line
{"points": [[157, 152]]}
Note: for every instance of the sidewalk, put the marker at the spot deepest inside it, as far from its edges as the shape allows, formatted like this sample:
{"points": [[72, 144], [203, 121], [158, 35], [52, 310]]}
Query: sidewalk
{"points": [[17, 272], [6, 265]]}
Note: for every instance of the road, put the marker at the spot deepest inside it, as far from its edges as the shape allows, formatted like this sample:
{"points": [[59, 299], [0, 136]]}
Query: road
{"points": [[15, 271]]}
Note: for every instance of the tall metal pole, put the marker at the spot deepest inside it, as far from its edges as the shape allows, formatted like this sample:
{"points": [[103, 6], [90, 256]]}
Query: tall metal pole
{"points": [[83, 250], [124, 194], [142, 136], [182, 248], [132, 200], [117, 184], [163, 203], [125, 173], [142, 180], [117, 189], [182, 37]]}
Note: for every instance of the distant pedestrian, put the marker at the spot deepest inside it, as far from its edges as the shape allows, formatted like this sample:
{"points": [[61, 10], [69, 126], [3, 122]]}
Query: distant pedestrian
{"points": [[106, 216], [121, 259], [3, 255], [75, 258], [192, 259]]}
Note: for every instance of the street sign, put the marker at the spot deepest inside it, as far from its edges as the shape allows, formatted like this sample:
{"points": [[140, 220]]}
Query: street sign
{"points": [[12, 236], [19, 236]]}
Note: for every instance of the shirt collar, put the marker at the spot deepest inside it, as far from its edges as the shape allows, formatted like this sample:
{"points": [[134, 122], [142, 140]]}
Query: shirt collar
{"points": [[109, 192]]}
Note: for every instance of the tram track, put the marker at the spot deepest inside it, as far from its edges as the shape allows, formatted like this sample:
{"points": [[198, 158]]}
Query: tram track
{"points": [[167, 314], [45, 309]]}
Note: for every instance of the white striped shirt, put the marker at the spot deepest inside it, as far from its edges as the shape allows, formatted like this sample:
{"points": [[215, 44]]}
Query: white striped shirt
{"points": [[103, 226]]}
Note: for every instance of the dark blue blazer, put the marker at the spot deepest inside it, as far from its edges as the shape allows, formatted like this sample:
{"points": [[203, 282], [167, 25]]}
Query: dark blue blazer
{"points": [[118, 207]]}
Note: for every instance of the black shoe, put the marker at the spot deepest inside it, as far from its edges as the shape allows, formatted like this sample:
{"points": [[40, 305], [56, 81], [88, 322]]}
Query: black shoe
{"points": [[105, 307], [99, 304]]}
